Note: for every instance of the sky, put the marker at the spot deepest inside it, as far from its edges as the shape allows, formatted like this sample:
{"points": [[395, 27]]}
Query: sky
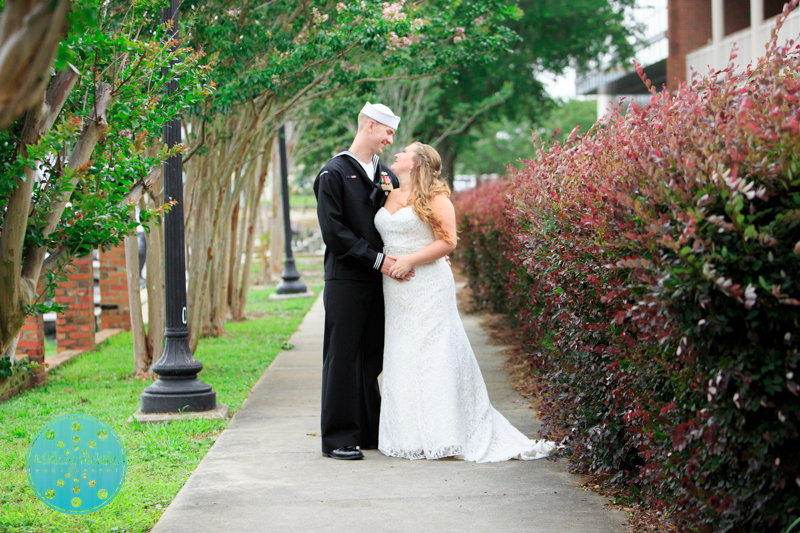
{"points": [[560, 86]]}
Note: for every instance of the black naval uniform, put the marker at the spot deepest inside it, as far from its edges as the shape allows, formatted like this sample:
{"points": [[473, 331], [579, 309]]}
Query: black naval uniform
{"points": [[352, 356]]}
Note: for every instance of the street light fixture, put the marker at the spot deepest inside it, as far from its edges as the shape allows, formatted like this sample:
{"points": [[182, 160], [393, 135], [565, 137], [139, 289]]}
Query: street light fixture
{"points": [[291, 283], [177, 387]]}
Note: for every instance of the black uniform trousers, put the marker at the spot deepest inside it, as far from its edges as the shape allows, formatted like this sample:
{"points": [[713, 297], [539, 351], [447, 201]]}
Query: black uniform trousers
{"points": [[352, 359]]}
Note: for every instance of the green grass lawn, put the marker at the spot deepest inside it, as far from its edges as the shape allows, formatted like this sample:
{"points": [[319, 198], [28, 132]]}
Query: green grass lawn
{"points": [[302, 200], [309, 264], [160, 457], [311, 267], [50, 347]]}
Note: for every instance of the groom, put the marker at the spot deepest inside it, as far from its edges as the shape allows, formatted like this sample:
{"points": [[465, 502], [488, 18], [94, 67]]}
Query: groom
{"points": [[350, 189]]}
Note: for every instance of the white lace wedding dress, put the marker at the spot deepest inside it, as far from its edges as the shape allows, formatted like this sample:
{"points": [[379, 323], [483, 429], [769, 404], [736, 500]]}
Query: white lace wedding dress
{"points": [[434, 400]]}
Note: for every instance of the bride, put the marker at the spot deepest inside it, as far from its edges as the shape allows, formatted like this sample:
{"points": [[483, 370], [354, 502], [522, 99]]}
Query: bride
{"points": [[434, 400]]}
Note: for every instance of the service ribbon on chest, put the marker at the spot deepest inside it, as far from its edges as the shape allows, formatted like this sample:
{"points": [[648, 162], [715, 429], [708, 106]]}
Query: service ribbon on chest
{"points": [[386, 182]]}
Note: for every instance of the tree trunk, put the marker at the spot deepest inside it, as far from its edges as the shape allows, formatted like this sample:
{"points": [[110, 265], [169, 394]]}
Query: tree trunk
{"points": [[30, 33], [11, 351], [263, 252], [250, 236], [448, 156], [276, 220], [214, 188], [215, 240], [212, 271], [234, 262], [197, 228], [141, 352], [95, 127], [198, 283], [17, 281], [155, 290]]}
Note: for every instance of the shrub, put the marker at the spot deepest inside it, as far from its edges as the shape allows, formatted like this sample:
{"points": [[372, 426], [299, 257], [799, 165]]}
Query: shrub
{"points": [[654, 270], [484, 242]]}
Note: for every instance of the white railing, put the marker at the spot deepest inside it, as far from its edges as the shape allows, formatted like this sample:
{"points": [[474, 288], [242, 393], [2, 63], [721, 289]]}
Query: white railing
{"points": [[717, 56], [655, 51]]}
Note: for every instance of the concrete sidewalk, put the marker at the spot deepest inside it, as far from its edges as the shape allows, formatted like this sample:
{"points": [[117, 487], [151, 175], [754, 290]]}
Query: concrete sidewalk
{"points": [[266, 472]]}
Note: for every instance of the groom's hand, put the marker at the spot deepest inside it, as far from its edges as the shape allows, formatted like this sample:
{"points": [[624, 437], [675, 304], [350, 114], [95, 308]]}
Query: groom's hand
{"points": [[386, 268]]}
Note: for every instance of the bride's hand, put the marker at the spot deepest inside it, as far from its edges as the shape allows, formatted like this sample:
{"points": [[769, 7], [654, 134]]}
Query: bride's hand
{"points": [[387, 266], [401, 268]]}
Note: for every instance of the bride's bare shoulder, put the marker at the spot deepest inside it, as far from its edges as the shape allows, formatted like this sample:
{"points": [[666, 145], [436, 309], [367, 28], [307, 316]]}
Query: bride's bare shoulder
{"points": [[441, 202]]}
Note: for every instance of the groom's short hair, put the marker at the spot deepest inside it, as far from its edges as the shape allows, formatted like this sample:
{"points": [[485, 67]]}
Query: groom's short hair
{"points": [[362, 121]]}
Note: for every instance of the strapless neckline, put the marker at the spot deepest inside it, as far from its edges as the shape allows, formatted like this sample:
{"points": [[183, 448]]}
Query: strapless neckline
{"points": [[393, 214], [402, 232]]}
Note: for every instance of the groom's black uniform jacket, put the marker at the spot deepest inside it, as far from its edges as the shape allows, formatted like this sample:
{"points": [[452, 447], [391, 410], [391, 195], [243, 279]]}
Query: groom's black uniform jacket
{"points": [[347, 201], [352, 354]]}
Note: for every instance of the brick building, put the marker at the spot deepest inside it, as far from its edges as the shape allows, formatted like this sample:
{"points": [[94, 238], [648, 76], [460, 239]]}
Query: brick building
{"points": [[611, 84], [90, 286], [703, 33], [690, 34]]}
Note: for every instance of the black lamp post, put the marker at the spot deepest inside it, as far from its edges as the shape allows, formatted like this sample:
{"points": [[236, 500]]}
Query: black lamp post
{"points": [[291, 283], [177, 388]]}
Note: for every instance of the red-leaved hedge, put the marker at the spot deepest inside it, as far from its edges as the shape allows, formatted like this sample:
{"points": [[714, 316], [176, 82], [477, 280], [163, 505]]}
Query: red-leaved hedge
{"points": [[482, 232], [653, 265]]}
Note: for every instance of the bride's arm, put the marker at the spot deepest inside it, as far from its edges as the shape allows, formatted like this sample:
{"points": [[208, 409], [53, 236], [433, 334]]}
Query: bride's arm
{"points": [[444, 211]]}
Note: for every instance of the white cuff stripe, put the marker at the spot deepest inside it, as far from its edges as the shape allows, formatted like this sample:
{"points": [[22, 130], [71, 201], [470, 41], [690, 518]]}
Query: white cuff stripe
{"points": [[378, 261]]}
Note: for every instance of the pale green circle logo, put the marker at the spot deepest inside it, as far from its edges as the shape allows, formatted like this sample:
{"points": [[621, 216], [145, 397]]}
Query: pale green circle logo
{"points": [[94, 468]]}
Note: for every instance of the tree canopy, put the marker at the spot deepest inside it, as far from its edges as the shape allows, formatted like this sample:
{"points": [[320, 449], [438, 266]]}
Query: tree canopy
{"points": [[496, 144], [87, 148], [547, 36]]}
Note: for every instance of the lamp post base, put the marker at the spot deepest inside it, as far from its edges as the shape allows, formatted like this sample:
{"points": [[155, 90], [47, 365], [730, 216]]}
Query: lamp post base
{"points": [[292, 296], [220, 412], [291, 283], [170, 395], [291, 287]]}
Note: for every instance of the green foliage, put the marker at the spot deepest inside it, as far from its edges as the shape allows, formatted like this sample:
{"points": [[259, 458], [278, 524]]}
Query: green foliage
{"points": [[302, 200], [551, 36], [463, 106], [160, 457], [494, 145], [390, 46], [126, 49], [565, 116], [286, 48], [654, 268], [499, 143], [10, 367]]}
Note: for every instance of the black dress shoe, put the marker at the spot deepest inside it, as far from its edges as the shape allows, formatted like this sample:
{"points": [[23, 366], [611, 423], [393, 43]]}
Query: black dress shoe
{"points": [[345, 452]]}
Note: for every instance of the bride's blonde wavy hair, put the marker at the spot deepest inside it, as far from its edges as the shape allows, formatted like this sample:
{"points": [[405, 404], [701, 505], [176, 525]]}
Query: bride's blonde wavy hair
{"points": [[425, 184]]}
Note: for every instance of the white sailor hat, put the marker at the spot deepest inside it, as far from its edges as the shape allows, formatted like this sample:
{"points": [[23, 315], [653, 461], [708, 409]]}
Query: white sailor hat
{"points": [[382, 114]]}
